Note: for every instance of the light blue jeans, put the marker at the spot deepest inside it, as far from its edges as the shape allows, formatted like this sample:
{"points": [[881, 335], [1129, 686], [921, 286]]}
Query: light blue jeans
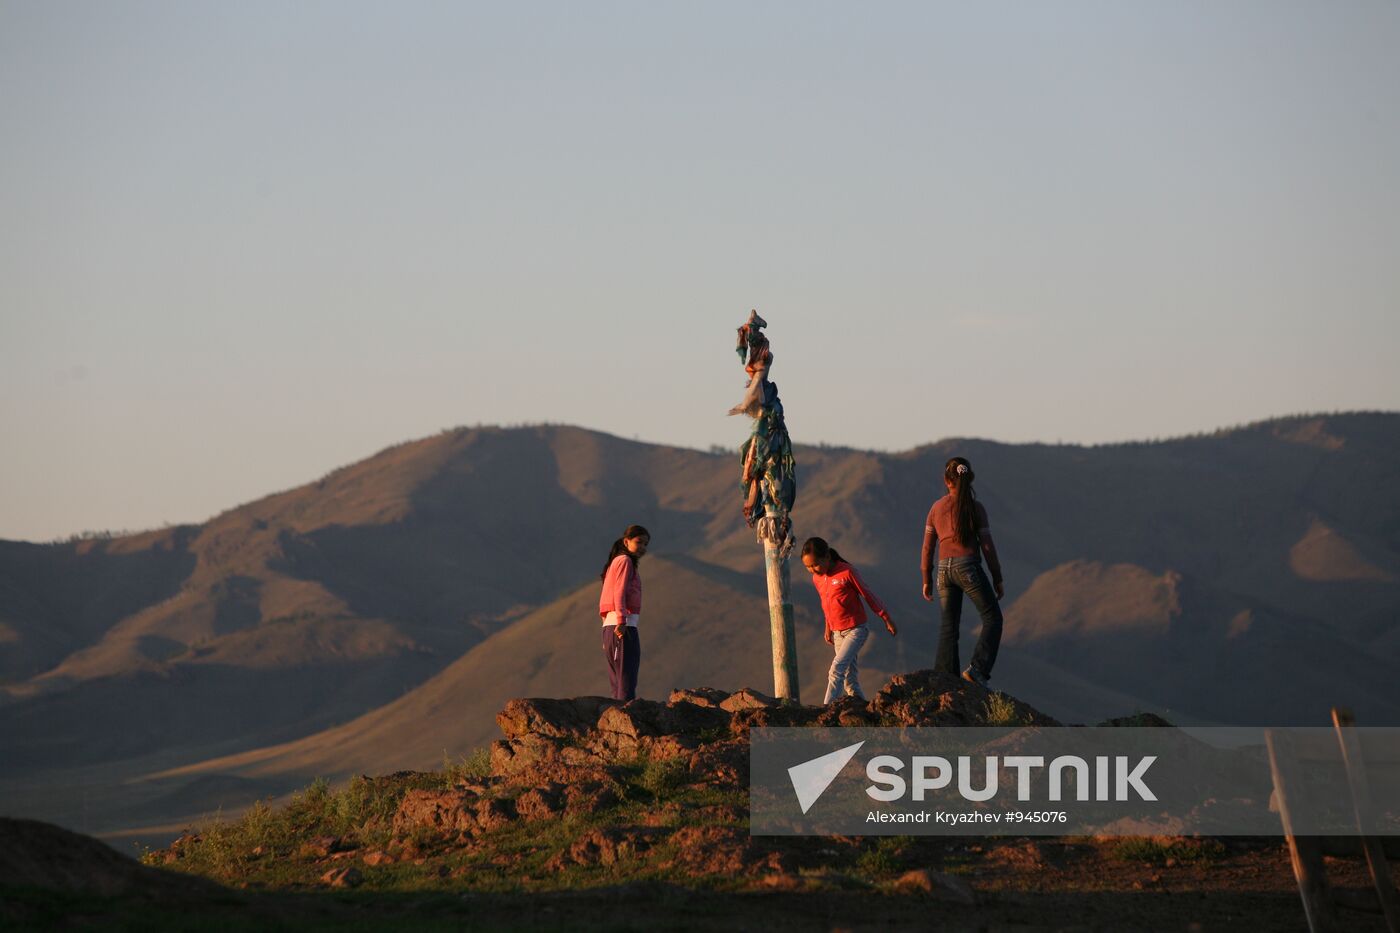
{"points": [[843, 676]]}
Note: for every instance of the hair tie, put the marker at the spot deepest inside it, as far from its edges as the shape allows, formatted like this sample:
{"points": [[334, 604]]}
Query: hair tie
{"points": [[962, 468]]}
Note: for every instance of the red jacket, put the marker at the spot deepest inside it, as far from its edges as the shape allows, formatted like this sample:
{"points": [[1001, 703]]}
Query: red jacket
{"points": [[841, 592]]}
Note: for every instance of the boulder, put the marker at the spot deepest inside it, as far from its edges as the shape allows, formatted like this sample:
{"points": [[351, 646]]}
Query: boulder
{"points": [[558, 718], [321, 847], [446, 811], [494, 813], [942, 886], [698, 696], [747, 698], [588, 798], [347, 877], [640, 718], [605, 846], [540, 802], [926, 698]]}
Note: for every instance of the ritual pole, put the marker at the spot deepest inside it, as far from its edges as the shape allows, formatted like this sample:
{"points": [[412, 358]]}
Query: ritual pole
{"points": [[780, 622], [770, 488]]}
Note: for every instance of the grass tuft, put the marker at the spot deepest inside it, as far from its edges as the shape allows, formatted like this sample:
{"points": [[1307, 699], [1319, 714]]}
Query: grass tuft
{"points": [[1000, 710], [475, 766]]}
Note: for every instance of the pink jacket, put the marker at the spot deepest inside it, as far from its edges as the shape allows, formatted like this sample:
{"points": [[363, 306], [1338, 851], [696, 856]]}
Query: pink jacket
{"points": [[622, 588]]}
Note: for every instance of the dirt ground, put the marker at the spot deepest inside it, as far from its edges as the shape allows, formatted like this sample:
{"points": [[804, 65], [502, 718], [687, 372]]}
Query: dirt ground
{"points": [[1018, 885]]}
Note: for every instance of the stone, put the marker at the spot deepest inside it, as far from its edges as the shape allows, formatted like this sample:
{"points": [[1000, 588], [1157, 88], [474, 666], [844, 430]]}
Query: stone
{"points": [[557, 718], [747, 698], [347, 877], [705, 850], [698, 696], [626, 725], [724, 763], [512, 756], [494, 813], [320, 847], [939, 884], [446, 811], [540, 803], [605, 846], [588, 798]]}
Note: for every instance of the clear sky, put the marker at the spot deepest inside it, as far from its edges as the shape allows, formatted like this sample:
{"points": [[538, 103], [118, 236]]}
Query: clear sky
{"points": [[244, 243]]}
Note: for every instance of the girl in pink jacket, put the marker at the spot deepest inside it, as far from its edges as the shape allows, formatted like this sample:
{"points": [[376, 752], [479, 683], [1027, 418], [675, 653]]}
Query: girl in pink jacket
{"points": [[620, 607], [841, 590]]}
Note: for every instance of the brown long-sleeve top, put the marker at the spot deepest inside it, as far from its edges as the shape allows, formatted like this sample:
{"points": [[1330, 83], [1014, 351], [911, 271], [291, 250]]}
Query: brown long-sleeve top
{"points": [[941, 536]]}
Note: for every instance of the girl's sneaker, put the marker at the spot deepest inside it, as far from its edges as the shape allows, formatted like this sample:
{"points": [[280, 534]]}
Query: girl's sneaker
{"points": [[972, 676]]}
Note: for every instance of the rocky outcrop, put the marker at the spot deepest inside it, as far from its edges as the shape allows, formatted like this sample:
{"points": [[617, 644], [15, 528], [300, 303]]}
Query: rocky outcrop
{"points": [[599, 782], [559, 740]]}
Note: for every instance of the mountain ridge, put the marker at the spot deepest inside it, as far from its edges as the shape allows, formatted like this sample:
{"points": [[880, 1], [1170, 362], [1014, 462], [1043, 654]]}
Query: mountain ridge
{"points": [[312, 608]]}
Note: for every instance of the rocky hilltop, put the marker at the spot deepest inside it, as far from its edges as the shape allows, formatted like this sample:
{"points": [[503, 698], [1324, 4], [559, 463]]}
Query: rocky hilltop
{"points": [[608, 813], [588, 782]]}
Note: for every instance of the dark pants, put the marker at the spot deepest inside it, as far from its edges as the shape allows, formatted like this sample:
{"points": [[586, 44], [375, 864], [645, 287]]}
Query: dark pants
{"points": [[958, 575], [624, 657]]}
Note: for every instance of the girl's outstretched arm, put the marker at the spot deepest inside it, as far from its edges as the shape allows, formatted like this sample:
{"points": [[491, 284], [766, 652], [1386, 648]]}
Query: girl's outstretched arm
{"points": [[876, 606]]}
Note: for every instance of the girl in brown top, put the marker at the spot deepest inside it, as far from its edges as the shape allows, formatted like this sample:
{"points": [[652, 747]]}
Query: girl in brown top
{"points": [[957, 530]]}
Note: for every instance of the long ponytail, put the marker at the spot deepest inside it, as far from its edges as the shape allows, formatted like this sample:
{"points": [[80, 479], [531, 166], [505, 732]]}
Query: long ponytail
{"points": [[818, 548], [958, 473], [618, 547]]}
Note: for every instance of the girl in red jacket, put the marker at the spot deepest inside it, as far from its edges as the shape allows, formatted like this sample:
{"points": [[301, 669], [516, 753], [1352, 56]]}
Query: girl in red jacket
{"points": [[841, 589], [620, 607]]}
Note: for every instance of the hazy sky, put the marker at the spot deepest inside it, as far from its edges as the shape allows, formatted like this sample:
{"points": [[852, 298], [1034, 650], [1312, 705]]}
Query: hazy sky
{"points": [[244, 243]]}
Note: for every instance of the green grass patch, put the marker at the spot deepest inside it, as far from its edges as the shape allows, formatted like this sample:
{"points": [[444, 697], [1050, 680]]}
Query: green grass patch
{"points": [[266, 848], [473, 767], [886, 857], [262, 844], [713, 734]]}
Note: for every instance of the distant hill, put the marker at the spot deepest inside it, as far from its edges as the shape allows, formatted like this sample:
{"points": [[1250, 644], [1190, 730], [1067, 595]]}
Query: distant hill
{"points": [[379, 616]]}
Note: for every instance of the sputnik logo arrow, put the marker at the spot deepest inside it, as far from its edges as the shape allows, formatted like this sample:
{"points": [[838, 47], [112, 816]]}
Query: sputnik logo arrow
{"points": [[811, 778]]}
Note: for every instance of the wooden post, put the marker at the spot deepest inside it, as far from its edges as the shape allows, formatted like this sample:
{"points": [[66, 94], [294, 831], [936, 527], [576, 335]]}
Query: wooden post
{"points": [[1343, 721], [770, 482], [784, 632], [1304, 851]]}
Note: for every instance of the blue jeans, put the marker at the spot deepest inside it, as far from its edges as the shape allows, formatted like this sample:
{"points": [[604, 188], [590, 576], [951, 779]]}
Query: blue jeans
{"points": [[842, 678], [956, 576]]}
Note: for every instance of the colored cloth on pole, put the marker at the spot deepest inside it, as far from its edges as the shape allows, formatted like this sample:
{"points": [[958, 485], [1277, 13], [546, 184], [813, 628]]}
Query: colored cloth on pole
{"points": [[768, 471]]}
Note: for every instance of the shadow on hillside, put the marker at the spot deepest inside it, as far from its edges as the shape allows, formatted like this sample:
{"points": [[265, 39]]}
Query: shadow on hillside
{"points": [[124, 717], [65, 597], [483, 539]]}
